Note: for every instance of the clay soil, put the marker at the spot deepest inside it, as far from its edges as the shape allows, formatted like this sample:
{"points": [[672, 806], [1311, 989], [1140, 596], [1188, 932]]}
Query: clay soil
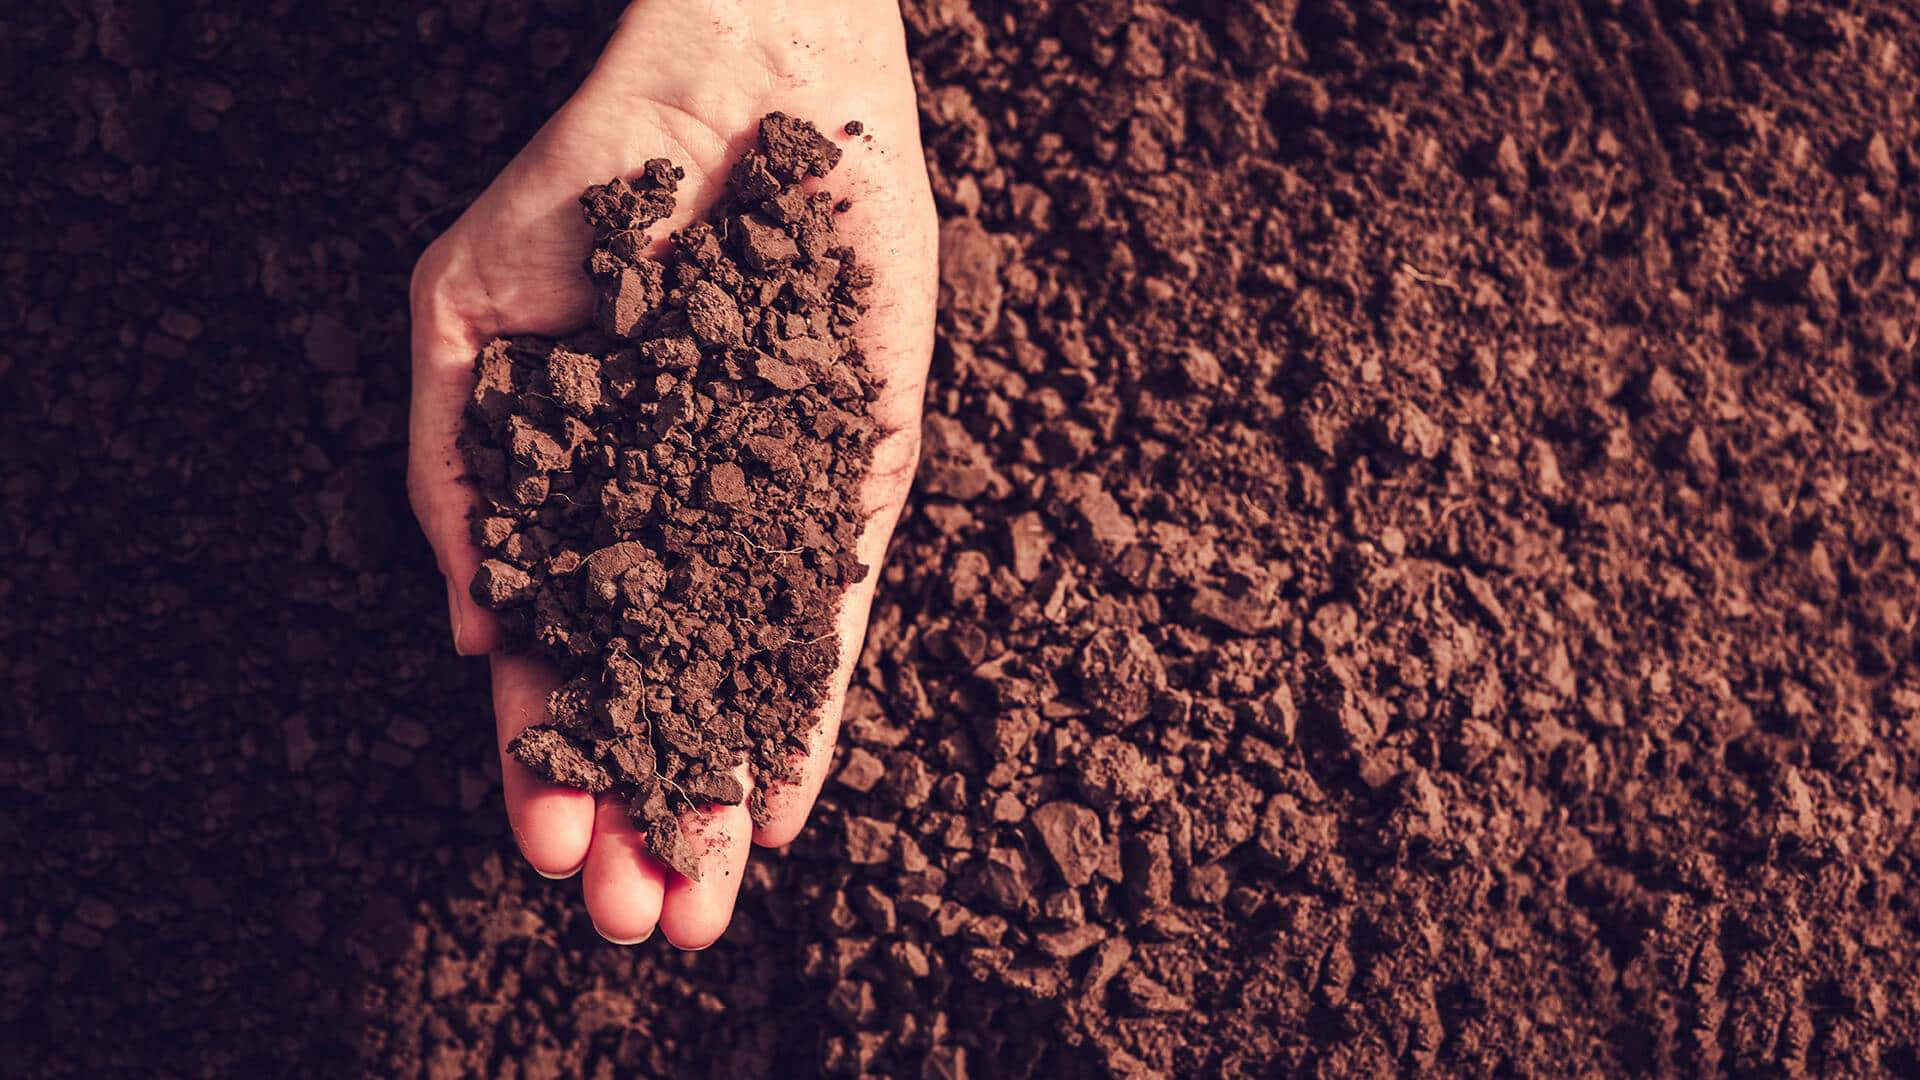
{"points": [[670, 501], [1412, 571]]}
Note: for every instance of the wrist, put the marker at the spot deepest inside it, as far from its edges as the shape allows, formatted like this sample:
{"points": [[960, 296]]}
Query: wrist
{"points": [[750, 19], [834, 26], [660, 48]]}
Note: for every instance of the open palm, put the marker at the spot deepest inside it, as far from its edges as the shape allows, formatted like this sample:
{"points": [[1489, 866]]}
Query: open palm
{"points": [[687, 82]]}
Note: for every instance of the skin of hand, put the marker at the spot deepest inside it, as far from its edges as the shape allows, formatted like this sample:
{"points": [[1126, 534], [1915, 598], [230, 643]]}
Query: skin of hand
{"points": [[687, 81]]}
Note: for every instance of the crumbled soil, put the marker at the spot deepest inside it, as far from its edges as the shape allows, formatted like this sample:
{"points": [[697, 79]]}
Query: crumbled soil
{"points": [[1411, 569], [670, 502]]}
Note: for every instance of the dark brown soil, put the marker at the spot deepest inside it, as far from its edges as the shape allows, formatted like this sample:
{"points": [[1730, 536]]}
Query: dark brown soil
{"points": [[1412, 569], [670, 502]]}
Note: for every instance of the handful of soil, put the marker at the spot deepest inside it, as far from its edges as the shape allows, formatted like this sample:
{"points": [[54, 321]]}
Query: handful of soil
{"points": [[670, 500]]}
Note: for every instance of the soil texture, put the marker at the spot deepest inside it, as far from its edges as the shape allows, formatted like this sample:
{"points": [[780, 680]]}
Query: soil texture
{"points": [[670, 503], [1411, 571]]}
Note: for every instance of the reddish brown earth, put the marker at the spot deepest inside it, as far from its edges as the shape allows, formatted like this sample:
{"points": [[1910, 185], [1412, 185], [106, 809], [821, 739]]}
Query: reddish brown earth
{"points": [[1413, 569], [669, 501]]}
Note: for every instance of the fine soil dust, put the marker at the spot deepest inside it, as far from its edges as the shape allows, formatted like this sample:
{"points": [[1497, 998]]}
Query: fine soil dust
{"points": [[670, 503], [1411, 570]]}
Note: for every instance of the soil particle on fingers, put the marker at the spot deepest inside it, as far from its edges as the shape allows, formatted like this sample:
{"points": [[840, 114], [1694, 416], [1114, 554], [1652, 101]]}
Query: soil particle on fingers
{"points": [[675, 527]]}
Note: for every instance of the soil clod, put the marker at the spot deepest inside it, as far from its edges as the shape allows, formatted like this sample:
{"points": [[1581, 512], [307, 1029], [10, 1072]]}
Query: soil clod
{"points": [[691, 601]]}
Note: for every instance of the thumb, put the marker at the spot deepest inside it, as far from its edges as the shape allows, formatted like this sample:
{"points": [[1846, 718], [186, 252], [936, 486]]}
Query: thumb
{"points": [[443, 379]]}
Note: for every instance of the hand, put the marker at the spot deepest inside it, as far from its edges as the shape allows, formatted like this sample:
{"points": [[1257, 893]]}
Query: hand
{"points": [[688, 82]]}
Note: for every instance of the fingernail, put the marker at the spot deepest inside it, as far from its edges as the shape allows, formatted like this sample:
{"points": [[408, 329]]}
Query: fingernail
{"points": [[618, 941], [562, 875], [453, 617]]}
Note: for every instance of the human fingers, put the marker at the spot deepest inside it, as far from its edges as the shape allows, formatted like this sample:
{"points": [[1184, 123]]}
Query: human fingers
{"points": [[553, 824], [696, 911], [622, 882]]}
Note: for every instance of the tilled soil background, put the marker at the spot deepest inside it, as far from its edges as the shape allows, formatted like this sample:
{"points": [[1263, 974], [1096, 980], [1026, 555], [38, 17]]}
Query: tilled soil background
{"points": [[1413, 568]]}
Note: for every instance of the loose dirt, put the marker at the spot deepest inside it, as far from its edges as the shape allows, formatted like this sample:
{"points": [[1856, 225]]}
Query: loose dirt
{"points": [[670, 503], [1411, 570]]}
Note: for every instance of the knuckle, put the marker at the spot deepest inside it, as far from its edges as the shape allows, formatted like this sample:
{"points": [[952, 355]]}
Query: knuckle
{"points": [[427, 272], [425, 269]]}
